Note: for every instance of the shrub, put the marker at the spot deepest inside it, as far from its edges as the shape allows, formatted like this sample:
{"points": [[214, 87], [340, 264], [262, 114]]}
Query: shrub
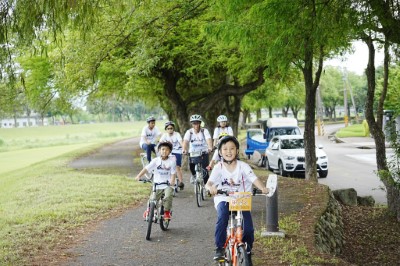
{"points": [[366, 128]]}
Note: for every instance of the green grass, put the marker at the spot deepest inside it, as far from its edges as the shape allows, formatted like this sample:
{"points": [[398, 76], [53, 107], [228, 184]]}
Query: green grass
{"points": [[42, 200], [357, 130]]}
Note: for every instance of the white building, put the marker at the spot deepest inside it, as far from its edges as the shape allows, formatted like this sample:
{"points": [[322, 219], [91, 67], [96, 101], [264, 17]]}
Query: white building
{"points": [[23, 121]]}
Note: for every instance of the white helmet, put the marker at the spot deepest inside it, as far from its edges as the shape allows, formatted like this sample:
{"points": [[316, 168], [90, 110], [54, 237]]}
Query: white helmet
{"points": [[222, 118], [195, 118]]}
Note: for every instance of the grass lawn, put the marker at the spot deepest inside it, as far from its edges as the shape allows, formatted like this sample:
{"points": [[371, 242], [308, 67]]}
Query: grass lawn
{"points": [[357, 130], [42, 200]]}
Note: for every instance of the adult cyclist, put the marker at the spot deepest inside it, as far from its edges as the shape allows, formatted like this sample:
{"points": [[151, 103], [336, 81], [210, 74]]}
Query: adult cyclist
{"points": [[222, 127], [197, 139]]}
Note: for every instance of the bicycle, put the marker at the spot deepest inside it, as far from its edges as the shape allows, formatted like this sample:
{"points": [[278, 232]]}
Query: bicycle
{"points": [[235, 248], [199, 186], [143, 159], [156, 209]]}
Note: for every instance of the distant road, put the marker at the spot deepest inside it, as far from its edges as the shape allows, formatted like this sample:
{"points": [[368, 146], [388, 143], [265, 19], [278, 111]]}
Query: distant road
{"points": [[352, 167]]}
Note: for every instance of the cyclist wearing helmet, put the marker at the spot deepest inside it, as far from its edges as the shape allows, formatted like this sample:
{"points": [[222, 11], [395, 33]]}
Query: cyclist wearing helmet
{"points": [[176, 139], [236, 176], [149, 136], [163, 167], [221, 128], [197, 139], [216, 158]]}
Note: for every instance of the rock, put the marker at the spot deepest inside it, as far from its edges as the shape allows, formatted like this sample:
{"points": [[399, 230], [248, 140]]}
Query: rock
{"points": [[366, 201], [346, 196]]}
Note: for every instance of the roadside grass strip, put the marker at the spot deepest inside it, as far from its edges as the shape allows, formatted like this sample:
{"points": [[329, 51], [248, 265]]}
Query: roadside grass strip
{"points": [[42, 205]]}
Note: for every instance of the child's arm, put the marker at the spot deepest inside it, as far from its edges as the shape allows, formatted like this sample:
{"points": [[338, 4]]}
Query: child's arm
{"points": [[261, 186], [172, 182], [141, 173]]}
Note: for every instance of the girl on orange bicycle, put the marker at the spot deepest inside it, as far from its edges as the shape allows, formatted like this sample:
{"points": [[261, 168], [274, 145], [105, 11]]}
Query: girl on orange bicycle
{"points": [[236, 176]]}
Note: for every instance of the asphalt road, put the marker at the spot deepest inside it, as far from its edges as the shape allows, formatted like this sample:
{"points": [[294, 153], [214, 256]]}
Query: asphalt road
{"points": [[121, 240]]}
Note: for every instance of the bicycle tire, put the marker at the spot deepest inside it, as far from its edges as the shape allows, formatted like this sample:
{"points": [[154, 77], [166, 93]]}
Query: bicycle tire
{"points": [[242, 257], [198, 194], [163, 223], [150, 220], [203, 191], [228, 257]]}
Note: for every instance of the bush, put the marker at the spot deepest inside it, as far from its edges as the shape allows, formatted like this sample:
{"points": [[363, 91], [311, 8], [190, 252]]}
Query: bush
{"points": [[366, 128]]}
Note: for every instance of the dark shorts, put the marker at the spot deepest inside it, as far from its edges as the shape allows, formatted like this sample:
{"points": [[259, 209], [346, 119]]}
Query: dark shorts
{"points": [[178, 157]]}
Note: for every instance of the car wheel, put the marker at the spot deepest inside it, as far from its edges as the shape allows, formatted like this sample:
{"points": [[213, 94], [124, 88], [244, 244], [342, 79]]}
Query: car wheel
{"points": [[323, 173], [267, 164], [282, 172]]}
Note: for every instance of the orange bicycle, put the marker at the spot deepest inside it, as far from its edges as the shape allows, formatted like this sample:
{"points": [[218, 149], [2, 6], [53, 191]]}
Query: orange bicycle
{"points": [[235, 248]]}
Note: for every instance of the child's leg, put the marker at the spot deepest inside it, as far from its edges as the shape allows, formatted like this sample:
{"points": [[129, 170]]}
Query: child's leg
{"points": [[168, 198], [248, 228], [222, 223]]}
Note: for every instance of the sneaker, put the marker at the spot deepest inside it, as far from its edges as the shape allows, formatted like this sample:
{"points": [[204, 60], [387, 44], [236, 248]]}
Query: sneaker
{"points": [[181, 185], [167, 215], [146, 214], [192, 179], [219, 253]]}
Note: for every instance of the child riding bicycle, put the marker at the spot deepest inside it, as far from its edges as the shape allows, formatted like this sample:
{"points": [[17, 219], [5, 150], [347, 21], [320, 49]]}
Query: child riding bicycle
{"points": [[236, 176], [164, 169], [148, 137], [222, 127]]}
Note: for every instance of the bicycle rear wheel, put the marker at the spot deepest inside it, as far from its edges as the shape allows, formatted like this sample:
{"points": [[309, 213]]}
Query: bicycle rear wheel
{"points": [[198, 193], [242, 257], [150, 220], [163, 223]]}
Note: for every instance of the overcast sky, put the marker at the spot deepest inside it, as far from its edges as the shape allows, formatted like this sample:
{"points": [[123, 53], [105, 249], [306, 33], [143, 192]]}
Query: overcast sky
{"points": [[357, 62]]}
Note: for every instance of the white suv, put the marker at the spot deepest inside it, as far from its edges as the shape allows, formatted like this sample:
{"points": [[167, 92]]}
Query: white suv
{"points": [[286, 154]]}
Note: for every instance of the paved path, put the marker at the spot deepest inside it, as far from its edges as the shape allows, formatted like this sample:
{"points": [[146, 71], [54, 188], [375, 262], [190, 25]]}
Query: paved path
{"points": [[121, 240]]}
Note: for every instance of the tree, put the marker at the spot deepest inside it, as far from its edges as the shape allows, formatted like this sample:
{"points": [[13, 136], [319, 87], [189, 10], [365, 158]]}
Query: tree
{"points": [[287, 34]]}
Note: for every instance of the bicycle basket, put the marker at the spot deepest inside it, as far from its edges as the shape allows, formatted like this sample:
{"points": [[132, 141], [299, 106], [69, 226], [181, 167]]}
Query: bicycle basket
{"points": [[240, 201]]}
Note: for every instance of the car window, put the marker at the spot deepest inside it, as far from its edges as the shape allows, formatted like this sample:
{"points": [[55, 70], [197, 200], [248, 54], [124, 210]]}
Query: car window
{"points": [[292, 144]]}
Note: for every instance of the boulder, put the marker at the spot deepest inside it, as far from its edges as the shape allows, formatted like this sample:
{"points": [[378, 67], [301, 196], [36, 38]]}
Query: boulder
{"points": [[347, 196], [366, 201]]}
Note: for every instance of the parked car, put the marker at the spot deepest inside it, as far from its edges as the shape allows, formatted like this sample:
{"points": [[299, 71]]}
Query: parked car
{"points": [[286, 154], [260, 133]]}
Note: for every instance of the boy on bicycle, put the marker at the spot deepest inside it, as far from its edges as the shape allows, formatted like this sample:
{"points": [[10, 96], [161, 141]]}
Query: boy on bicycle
{"points": [[231, 175], [164, 170], [148, 137]]}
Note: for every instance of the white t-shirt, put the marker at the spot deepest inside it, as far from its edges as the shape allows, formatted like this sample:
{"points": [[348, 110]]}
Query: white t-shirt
{"points": [[216, 156], [175, 139], [151, 135], [243, 178], [218, 130], [162, 170], [197, 141]]}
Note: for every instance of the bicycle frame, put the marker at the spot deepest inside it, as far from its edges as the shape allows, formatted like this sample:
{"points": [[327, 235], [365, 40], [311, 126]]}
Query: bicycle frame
{"points": [[234, 235], [235, 248], [156, 211]]}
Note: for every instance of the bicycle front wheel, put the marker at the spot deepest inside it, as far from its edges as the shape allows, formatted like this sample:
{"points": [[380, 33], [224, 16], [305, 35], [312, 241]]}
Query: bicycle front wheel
{"points": [[163, 223], [228, 256], [198, 193], [242, 257], [150, 220]]}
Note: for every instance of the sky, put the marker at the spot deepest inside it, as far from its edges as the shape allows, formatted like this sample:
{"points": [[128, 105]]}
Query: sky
{"points": [[357, 62]]}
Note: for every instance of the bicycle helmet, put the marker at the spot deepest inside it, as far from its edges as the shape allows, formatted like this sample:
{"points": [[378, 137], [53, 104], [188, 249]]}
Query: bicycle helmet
{"points": [[223, 134], [226, 139], [196, 118], [169, 123], [222, 118], [165, 143], [150, 118]]}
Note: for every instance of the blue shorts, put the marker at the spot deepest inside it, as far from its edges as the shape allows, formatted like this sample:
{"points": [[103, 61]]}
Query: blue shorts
{"points": [[178, 157]]}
